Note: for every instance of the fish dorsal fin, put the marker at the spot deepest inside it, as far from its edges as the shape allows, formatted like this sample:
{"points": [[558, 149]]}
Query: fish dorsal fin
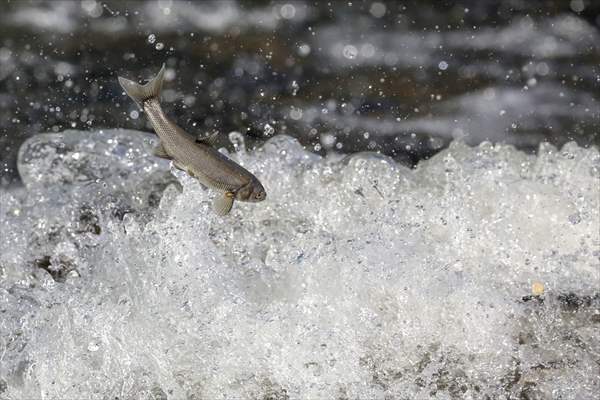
{"points": [[209, 140], [159, 151]]}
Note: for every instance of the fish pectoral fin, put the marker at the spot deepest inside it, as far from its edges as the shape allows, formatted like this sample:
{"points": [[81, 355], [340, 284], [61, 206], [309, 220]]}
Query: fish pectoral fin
{"points": [[222, 203], [159, 151], [209, 140], [179, 166], [187, 170]]}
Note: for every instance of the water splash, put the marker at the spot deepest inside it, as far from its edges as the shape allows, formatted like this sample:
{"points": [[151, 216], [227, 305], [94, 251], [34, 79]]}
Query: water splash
{"points": [[356, 278]]}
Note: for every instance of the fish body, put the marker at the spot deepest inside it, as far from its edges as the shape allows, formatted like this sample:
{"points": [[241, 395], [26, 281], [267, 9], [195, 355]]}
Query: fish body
{"points": [[195, 156]]}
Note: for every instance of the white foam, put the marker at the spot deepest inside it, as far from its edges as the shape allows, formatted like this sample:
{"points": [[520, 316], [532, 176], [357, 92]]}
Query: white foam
{"points": [[356, 278]]}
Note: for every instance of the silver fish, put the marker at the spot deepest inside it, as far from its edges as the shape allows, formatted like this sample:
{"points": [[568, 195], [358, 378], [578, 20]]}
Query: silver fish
{"points": [[195, 156]]}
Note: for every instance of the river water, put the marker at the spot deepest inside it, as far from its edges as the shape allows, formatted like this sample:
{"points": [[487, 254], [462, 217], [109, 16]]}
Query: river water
{"points": [[401, 78], [432, 224]]}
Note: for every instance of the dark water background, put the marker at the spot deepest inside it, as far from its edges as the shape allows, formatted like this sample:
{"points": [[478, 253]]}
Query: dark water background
{"points": [[404, 78]]}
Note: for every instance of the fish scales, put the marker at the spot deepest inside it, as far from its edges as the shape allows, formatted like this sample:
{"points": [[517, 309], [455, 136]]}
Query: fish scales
{"points": [[207, 164]]}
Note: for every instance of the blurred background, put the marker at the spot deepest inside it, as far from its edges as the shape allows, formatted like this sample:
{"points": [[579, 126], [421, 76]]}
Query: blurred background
{"points": [[400, 77]]}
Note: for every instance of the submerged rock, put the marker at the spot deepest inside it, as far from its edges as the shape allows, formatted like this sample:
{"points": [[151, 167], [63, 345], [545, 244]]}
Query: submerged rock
{"points": [[356, 278]]}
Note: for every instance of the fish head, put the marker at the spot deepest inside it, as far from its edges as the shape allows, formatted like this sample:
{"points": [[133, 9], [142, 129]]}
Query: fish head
{"points": [[252, 192]]}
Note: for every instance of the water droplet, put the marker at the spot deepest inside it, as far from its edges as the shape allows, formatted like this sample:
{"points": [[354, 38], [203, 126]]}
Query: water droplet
{"points": [[295, 88], [238, 141], [350, 52], [328, 140], [577, 5], [296, 113], [151, 38], [288, 11], [378, 9], [304, 49], [268, 130], [159, 46]]}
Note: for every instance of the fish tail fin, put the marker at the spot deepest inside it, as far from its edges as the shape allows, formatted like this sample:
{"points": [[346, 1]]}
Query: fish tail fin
{"points": [[141, 93]]}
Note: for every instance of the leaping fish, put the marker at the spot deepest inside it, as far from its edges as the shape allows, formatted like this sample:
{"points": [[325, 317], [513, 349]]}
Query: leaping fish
{"points": [[197, 157]]}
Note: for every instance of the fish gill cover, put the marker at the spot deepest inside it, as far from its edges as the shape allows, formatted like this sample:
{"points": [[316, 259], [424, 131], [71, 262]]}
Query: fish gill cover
{"points": [[474, 275]]}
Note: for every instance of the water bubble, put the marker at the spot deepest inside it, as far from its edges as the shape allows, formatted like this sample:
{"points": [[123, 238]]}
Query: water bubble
{"points": [[577, 5], [296, 113], [542, 69], [443, 65], [328, 140], [268, 130], [304, 49], [151, 38], [378, 9], [350, 52], [92, 8], [288, 11], [92, 346], [159, 46], [134, 114]]}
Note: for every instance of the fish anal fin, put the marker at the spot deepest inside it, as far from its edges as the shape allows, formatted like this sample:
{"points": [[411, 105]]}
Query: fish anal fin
{"points": [[209, 140], [159, 151], [222, 204]]}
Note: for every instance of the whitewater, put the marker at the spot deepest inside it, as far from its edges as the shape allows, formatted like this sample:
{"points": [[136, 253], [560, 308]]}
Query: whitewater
{"points": [[474, 275]]}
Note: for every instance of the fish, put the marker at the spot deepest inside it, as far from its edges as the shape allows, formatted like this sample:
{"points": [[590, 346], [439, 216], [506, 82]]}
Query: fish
{"points": [[195, 156]]}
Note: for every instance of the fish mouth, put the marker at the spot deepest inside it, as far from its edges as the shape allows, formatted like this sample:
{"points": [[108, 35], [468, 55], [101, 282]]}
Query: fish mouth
{"points": [[254, 200]]}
